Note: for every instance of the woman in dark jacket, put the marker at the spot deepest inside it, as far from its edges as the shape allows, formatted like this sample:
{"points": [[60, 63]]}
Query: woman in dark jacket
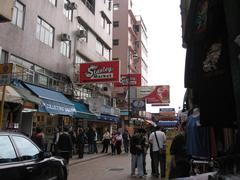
{"points": [[81, 139]]}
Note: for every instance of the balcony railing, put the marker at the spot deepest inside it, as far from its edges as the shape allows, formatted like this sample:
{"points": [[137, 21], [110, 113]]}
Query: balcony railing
{"points": [[32, 78]]}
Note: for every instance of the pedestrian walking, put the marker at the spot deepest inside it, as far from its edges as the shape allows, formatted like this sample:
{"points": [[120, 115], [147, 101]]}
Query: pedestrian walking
{"points": [[180, 166], [137, 151], [65, 145], [95, 149], [39, 138], [113, 143], [105, 141], [125, 137], [157, 139], [80, 140], [91, 136], [119, 143]]}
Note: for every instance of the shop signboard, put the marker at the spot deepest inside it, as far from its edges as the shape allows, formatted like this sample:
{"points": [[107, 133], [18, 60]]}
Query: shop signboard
{"points": [[99, 72], [154, 94], [138, 105], [129, 80]]}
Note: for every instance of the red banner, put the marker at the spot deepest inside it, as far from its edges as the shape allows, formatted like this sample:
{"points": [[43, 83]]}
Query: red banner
{"points": [[94, 72], [135, 80]]}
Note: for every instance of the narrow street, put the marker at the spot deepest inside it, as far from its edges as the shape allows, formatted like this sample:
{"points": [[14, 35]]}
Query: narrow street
{"points": [[109, 167]]}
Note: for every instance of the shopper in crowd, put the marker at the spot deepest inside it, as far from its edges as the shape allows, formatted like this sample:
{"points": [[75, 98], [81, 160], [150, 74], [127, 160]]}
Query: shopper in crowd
{"points": [[73, 137], [157, 139], [65, 145], [145, 145], [91, 136], [56, 133], [119, 143], [39, 138], [180, 166], [113, 143], [137, 151], [80, 140], [125, 137], [105, 140], [95, 149]]}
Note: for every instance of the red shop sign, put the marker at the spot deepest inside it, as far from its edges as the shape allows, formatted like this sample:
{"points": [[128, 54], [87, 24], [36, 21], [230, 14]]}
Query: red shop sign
{"points": [[94, 72], [135, 80]]}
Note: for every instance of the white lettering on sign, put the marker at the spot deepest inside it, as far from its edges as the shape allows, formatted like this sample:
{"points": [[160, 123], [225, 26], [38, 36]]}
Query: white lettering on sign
{"points": [[58, 108], [94, 72]]}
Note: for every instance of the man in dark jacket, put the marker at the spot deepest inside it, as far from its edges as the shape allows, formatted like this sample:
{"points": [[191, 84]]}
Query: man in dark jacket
{"points": [[65, 145]]}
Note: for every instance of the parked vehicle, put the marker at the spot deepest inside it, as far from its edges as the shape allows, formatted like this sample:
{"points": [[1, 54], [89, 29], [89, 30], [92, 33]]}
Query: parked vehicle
{"points": [[21, 159]]}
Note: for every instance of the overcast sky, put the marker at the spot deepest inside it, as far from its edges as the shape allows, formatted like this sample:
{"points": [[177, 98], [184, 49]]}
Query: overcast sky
{"points": [[166, 57]]}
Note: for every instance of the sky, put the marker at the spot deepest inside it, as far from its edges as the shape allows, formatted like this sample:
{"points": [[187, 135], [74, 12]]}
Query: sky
{"points": [[166, 56]]}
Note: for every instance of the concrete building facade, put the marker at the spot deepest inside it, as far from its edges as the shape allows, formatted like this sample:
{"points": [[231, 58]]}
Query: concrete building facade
{"points": [[130, 48]]}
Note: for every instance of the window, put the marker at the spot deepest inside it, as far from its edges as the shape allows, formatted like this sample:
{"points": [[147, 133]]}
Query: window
{"points": [[53, 2], [115, 7], [42, 80], [4, 57], [65, 48], [90, 4], [67, 12], [99, 47], [22, 69], [116, 42], [105, 23], [18, 14], [45, 32], [7, 153], [26, 148], [115, 23], [81, 27], [106, 53]]}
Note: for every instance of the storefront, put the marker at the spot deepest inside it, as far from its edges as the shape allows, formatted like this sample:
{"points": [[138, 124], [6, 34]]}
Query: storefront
{"points": [[55, 110]]}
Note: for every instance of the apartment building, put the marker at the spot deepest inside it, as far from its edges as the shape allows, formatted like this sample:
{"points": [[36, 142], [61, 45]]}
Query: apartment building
{"points": [[47, 40], [130, 48]]}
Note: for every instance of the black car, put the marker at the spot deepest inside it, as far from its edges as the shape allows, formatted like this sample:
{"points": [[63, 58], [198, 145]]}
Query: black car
{"points": [[21, 159]]}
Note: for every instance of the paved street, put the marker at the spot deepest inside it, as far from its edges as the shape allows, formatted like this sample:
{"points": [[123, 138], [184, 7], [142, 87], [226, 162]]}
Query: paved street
{"points": [[107, 167]]}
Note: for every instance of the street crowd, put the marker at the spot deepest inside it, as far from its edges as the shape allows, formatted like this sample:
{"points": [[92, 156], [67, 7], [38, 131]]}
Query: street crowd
{"points": [[67, 142]]}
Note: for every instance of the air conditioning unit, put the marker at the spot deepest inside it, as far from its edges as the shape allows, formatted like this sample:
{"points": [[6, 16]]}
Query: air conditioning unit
{"points": [[70, 6], [65, 37], [82, 33]]}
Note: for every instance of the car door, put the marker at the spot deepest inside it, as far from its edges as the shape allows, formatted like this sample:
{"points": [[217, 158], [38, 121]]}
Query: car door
{"points": [[36, 168], [10, 166]]}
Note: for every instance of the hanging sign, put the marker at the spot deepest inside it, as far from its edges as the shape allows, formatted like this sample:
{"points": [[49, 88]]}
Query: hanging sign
{"points": [[129, 80]]}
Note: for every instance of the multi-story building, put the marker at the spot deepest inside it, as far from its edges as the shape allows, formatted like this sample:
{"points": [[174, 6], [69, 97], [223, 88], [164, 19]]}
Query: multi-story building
{"points": [[47, 40], [130, 48]]}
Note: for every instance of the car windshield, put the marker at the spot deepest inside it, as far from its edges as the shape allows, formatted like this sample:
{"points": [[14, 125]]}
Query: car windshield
{"points": [[7, 153]]}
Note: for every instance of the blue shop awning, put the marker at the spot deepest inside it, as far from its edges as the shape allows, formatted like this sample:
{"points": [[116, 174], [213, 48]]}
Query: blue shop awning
{"points": [[83, 112], [167, 123], [109, 118], [53, 102]]}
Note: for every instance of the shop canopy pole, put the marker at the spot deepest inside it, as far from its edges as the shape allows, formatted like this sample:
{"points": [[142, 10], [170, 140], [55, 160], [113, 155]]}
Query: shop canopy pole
{"points": [[2, 106]]}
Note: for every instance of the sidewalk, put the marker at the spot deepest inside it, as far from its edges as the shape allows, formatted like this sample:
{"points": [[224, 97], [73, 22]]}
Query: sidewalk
{"points": [[86, 157]]}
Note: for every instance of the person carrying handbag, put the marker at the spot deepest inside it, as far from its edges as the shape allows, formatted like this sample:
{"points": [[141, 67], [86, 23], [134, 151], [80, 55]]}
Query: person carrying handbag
{"points": [[157, 139]]}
